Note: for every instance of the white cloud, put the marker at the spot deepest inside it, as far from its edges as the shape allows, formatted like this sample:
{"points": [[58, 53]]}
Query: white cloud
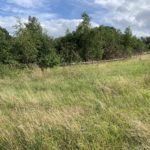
{"points": [[8, 23], [118, 13], [58, 27], [123, 13], [109, 3], [54, 27]]}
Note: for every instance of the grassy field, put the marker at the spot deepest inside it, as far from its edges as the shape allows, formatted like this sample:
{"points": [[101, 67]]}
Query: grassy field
{"points": [[102, 106]]}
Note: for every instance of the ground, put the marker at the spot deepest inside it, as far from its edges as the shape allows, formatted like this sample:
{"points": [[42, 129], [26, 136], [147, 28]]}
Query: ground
{"points": [[103, 106]]}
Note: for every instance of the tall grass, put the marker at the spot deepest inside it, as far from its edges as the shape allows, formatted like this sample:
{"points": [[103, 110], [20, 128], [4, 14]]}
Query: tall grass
{"points": [[103, 106]]}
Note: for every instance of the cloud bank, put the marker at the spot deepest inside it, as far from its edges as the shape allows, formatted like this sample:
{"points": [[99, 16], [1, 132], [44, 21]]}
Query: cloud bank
{"points": [[57, 15]]}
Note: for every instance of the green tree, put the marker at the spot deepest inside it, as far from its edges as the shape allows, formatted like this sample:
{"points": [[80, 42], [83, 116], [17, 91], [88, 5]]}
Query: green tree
{"points": [[68, 49], [83, 36], [96, 47], [32, 45], [25, 50], [110, 39], [128, 41], [85, 25], [47, 56], [146, 41], [24, 45], [5, 47]]}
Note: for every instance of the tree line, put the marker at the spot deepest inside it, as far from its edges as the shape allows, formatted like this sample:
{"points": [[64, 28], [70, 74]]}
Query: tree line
{"points": [[31, 45]]}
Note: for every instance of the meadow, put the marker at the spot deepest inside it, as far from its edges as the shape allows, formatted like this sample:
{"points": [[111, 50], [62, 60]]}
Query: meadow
{"points": [[103, 106]]}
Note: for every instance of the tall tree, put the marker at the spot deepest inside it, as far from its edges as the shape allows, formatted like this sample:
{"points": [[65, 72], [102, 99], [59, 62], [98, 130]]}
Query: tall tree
{"points": [[5, 46], [128, 41], [26, 41], [83, 35], [32, 45], [47, 56]]}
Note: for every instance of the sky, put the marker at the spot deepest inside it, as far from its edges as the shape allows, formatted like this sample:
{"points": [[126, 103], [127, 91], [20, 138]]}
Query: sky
{"points": [[56, 16]]}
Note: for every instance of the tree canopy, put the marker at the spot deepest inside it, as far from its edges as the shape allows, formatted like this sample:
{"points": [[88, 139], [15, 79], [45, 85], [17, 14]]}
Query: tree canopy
{"points": [[31, 45]]}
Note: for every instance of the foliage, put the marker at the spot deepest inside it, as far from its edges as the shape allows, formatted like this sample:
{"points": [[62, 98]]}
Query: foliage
{"points": [[50, 59], [103, 42], [68, 49], [5, 47], [24, 48], [146, 41], [31, 45]]}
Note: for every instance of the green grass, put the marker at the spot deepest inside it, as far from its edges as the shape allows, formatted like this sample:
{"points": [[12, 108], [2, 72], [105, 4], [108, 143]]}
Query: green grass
{"points": [[89, 107]]}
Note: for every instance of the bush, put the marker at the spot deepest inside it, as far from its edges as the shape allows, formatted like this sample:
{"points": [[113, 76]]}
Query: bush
{"points": [[49, 60]]}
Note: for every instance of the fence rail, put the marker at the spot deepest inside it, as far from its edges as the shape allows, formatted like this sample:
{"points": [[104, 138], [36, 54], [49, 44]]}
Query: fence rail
{"points": [[103, 61]]}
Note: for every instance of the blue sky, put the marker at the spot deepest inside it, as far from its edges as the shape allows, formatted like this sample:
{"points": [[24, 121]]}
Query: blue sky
{"points": [[58, 15]]}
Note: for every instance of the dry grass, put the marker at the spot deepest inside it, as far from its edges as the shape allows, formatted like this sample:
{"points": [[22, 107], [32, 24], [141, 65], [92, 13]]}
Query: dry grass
{"points": [[101, 106]]}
